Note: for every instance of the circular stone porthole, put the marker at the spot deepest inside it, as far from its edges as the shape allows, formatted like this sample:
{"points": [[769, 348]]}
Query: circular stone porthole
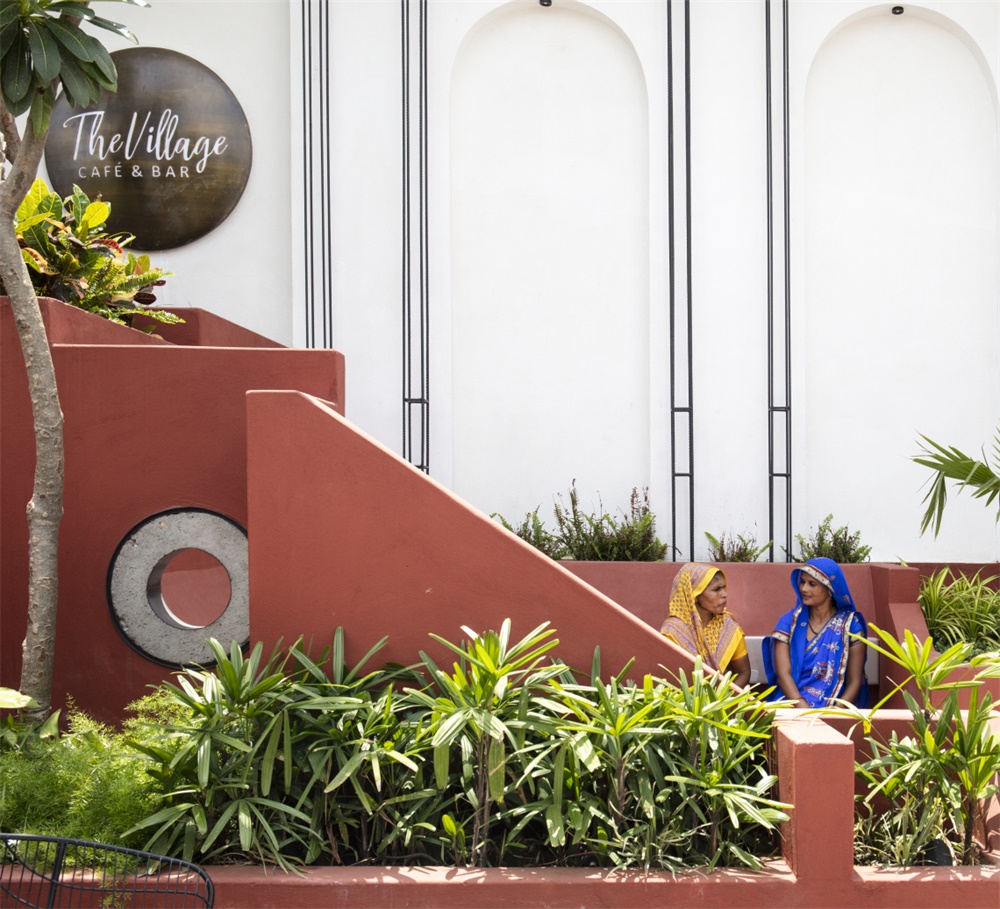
{"points": [[176, 580]]}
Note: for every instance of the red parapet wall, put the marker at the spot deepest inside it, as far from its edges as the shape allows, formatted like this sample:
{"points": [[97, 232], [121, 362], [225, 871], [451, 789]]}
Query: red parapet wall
{"points": [[570, 888], [149, 426], [343, 532], [759, 592]]}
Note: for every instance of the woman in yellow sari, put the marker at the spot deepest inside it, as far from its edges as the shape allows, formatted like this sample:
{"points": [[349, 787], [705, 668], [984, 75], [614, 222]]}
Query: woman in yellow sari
{"points": [[699, 623]]}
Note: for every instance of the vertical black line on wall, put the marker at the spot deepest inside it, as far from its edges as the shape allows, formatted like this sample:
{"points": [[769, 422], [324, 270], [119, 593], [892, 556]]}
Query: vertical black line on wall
{"points": [[307, 207], [690, 295], [316, 165], [788, 279], [779, 399], [671, 301], [681, 405], [326, 234], [415, 312]]}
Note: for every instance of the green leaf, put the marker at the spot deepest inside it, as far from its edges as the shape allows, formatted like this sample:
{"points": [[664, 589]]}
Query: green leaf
{"points": [[245, 823], [346, 771], [450, 728], [42, 103], [104, 67], [73, 38], [9, 13], [555, 826], [79, 87], [8, 34], [44, 51], [72, 10], [441, 763], [14, 700], [115, 27], [220, 825], [16, 78], [95, 215]]}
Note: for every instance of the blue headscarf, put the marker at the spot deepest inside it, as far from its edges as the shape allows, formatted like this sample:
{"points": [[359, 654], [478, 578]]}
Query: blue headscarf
{"points": [[819, 666], [831, 576]]}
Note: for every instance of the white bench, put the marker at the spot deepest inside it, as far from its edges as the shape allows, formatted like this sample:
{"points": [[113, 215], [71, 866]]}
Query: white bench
{"points": [[755, 644]]}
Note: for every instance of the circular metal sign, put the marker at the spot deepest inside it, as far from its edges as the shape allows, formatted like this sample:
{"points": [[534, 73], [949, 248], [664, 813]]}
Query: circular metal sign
{"points": [[170, 151]]}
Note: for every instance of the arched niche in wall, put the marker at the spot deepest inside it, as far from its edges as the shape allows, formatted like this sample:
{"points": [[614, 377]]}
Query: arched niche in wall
{"points": [[550, 260], [898, 309]]}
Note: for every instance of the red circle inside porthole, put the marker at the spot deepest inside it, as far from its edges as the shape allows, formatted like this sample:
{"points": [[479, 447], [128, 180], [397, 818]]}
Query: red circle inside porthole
{"points": [[194, 588], [170, 151]]}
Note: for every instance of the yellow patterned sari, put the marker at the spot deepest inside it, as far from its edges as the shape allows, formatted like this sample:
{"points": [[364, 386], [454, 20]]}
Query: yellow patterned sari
{"points": [[717, 642]]}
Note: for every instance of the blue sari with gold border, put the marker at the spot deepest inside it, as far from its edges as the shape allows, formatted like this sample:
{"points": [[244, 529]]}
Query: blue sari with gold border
{"points": [[819, 666]]}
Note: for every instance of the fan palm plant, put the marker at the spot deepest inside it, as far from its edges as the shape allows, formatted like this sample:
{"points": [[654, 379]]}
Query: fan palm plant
{"points": [[977, 476]]}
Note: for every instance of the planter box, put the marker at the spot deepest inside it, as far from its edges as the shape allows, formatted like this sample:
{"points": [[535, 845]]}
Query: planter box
{"points": [[568, 888], [816, 869]]}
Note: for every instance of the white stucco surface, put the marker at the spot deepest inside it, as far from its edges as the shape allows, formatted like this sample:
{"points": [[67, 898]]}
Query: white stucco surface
{"points": [[549, 260]]}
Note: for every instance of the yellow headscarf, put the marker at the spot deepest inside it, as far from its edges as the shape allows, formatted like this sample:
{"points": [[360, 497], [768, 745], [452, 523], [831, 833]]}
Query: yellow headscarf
{"points": [[715, 641]]}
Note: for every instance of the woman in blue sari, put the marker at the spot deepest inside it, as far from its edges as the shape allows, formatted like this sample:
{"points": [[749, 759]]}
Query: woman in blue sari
{"points": [[811, 657]]}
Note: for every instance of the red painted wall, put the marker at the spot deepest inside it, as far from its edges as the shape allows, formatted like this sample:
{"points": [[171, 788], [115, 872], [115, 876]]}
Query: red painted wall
{"points": [[344, 532], [149, 426]]}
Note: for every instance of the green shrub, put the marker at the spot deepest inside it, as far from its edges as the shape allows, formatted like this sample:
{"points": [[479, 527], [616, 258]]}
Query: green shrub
{"points": [[84, 783], [503, 758], [741, 548], [71, 257], [602, 537], [960, 609], [840, 545], [599, 537], [930, 787], [532, 530]]}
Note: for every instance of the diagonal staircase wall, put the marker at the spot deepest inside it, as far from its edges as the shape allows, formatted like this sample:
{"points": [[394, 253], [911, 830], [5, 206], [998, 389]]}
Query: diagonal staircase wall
{"points": [[345, 533]]}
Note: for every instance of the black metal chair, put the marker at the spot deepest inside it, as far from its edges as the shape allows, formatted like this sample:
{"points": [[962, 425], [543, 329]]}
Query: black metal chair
{"points": [[54, 872]]}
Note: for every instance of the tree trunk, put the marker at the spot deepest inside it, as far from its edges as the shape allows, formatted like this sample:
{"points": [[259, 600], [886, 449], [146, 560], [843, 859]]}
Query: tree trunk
{"points": [[46, 505]]}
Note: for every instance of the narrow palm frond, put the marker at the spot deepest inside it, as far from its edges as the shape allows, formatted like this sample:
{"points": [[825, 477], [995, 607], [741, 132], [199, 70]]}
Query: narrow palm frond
{"points": [[952, 464]]}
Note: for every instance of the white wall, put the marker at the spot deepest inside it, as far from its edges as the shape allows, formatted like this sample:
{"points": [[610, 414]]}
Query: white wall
{"points": [[899, 303], [550, 260], [894, 273]]}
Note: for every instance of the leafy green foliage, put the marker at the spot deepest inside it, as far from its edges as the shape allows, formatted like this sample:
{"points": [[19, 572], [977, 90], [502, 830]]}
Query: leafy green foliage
{"points": [[597, 537], [739, 548], [951, 464], [83, 783], [532, 530], [934, 783], [42, 45], [602, 537], [505, 758], [838, 544], [71, 257], [960, 609], [669, 776]]}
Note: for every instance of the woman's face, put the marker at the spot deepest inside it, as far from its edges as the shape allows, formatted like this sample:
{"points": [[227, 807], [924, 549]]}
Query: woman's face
{"points": [[812, 592], [713, 598]]}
